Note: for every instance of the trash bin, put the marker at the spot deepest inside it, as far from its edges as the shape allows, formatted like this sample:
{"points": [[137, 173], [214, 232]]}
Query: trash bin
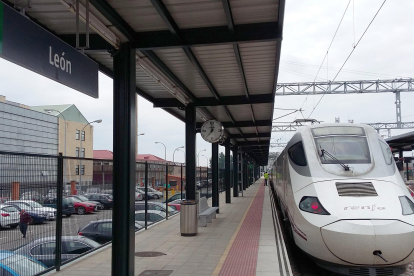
{"points": [[189, 218]]}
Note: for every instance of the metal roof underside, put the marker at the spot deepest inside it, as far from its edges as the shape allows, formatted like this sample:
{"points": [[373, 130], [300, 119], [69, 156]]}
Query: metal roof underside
{"points": [[222, 55], [404, 142]]}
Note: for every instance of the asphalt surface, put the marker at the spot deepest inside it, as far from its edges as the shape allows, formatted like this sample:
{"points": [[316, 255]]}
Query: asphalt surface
{"points": [[12, 238]]}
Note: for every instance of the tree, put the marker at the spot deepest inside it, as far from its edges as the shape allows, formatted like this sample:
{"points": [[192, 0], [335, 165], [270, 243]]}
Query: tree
{"points": [[222, 161]]}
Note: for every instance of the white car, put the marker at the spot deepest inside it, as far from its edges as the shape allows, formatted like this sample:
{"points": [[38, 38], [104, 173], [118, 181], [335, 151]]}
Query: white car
{"points": [[151, 191], [33, 205], [9, 216]]}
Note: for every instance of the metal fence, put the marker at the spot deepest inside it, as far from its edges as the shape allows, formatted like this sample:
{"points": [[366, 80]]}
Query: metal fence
{"points": [[68, 206]]}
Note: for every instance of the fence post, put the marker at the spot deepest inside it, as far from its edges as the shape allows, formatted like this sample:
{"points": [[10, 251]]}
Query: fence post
{"points": [[59, 198], [146, 194], [166, 190], [181, 182]]}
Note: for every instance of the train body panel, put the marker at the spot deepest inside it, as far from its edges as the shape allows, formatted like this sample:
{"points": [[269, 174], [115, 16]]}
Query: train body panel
{"points": [[344, 198]]}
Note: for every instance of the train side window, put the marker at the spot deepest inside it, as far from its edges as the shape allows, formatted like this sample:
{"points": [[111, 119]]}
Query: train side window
{"points": [[386, 151], [297, 154]]}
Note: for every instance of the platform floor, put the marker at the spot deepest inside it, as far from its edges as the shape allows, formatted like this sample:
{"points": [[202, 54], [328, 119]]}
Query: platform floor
{"points": [[240, 241]]}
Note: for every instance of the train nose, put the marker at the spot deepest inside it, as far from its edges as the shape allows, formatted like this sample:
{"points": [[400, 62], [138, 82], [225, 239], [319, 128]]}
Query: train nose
{"points": [[359, 241]]}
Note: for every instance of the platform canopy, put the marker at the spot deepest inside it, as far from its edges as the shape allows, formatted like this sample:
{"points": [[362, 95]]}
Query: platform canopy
{"points": [[221, 56], [403, 142]]}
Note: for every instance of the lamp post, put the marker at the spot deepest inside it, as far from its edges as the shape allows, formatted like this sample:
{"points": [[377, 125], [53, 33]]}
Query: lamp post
{"points": [[49, 110], [165, 155], [206, 173], [198, 157], [176, 150], [137, 140], [80, 151]]}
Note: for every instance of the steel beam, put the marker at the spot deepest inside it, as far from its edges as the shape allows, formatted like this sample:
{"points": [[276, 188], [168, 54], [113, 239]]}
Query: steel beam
{"points": [[212, 101], [190, 151], [345, 87], [205, 36], [125, 123], [243, 124], [397, 125], [227, 171], [214, 175]]}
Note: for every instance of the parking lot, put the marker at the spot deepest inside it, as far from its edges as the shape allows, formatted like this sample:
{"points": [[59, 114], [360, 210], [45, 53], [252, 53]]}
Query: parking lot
{"points": [[12, 238]]}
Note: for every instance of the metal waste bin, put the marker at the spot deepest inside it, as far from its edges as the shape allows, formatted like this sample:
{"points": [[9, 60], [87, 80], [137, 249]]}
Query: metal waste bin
{"points": [[189, 218]]}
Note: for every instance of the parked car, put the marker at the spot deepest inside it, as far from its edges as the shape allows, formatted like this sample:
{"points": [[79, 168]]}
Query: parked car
{"points": [[4, 199], [33, 205], [37, 216], [32, 195], [151, 191], [82, 207], [43, 249], [84, 199], [175, 197], [13, 264], [68, 205], [175, 204], [108, 192], [158, 206], [140, 195], [152, 216], [105, 199], [9, 216], [101, 230]]}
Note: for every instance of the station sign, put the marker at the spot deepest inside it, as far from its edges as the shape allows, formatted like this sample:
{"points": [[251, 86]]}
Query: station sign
{"points": [[27, 44]]}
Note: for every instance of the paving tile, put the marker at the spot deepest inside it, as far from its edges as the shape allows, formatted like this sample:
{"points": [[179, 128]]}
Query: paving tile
{"points": [[197, 255]]}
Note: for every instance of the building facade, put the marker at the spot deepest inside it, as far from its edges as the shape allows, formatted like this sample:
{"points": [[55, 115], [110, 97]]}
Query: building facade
{"points": [[76, 142]]}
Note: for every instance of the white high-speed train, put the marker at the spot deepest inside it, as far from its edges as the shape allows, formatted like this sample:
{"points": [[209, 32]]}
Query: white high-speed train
{"points": [[344, 201]]}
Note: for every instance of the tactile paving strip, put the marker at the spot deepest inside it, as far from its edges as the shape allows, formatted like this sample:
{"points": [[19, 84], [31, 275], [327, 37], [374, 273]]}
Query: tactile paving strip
{"points": [[242, 257]]}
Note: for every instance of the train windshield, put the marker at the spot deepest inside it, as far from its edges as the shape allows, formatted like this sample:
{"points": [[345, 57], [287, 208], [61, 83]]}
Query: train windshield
{"points": [[347, 144]]}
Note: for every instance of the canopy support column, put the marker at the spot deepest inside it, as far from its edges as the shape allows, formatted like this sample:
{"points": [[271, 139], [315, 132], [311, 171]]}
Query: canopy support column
{"points": [[215, 176], [235, 173], [227, 171], [190, 152], [124, 145]]}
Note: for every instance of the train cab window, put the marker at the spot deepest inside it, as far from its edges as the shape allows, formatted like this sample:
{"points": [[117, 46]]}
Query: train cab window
{"points": [[347, 144], [386, 151], [297, 154]]}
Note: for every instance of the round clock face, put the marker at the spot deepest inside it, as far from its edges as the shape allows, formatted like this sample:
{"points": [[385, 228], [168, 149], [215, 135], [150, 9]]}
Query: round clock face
{"points": [[212, 131]]}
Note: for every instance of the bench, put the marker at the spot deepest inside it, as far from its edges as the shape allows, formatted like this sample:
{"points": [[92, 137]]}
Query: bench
{"points": [[206, 213]]}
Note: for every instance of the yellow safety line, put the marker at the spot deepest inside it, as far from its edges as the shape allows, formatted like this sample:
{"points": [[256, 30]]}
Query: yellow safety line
{"points": [[226, 252]]}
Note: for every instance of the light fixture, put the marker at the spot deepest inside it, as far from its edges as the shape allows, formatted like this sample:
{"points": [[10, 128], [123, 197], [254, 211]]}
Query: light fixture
{"points": [[94, 23], [161, 79]]}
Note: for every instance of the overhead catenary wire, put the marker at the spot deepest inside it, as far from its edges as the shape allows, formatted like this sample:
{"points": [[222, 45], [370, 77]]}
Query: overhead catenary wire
{"points": [[353, 49], [333, 38]]}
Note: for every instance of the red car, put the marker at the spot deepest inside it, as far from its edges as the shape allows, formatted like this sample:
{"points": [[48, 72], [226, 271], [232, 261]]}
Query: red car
{"points": [[176, 204], [83, 207]]}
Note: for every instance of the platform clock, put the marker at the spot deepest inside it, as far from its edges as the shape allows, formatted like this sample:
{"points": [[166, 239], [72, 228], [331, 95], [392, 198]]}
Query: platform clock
{"points": [[212, 131]]}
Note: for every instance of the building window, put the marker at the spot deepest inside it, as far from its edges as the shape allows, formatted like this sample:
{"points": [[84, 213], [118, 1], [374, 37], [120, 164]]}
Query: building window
{"points": [[83, 152], [77, 134], [83, 136], [83, 170], [77, 152], [77, 170]]}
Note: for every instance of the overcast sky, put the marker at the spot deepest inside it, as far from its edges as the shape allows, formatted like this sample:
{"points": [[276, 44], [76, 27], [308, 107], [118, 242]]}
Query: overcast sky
{"points": [[385, 52]]}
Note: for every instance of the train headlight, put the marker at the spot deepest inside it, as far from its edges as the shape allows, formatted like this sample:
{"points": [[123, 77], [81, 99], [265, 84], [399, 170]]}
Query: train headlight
{"points": [[312, 205], [407, 206]]}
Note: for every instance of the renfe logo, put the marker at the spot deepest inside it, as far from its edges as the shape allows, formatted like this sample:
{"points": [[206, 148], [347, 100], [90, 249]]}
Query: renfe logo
{"points": [[60, 62], [372, 208]]}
